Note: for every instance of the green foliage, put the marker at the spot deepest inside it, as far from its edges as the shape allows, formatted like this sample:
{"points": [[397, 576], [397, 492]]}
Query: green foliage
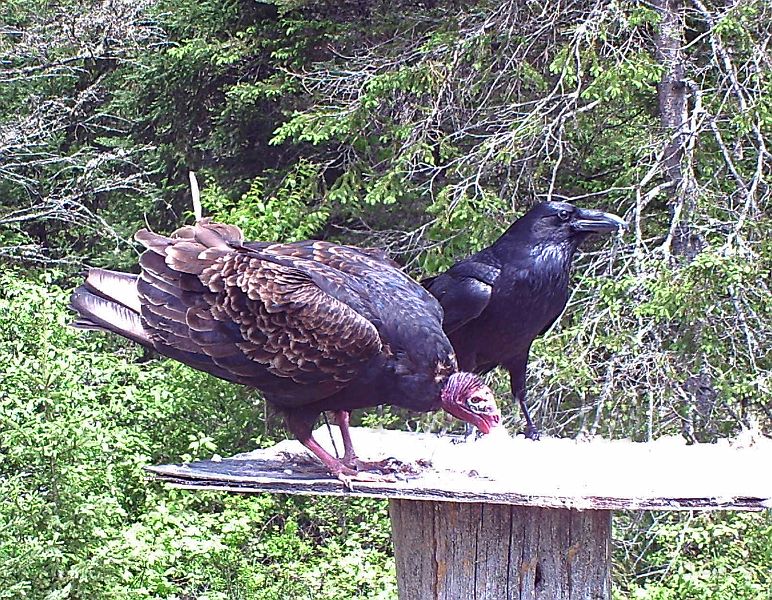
{"points": [[675, 336], [463, 225], [284, 215], [424, 128], [705, 557], [80, 418]]}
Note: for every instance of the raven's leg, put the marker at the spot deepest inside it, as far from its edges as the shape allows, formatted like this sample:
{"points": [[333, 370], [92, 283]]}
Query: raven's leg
{"points": [[517, 382]]}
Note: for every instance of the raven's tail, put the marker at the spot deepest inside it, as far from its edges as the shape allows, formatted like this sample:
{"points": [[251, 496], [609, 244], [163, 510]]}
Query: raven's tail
{"points": [[428, 281]]}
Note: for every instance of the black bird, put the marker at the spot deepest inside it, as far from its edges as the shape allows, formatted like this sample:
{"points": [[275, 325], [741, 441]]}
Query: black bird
{"points": [[498, 300], [316, 326]]}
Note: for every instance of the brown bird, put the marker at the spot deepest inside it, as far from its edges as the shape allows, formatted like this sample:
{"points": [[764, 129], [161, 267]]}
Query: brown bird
{"points": [[315, 326]]}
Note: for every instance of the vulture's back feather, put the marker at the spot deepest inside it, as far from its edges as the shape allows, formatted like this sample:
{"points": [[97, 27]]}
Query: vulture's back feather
{"points": [[299, 321], [315, 326]]}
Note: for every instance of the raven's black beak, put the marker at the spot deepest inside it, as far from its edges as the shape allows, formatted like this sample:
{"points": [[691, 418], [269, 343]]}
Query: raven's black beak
{"points": [[596, 221]]}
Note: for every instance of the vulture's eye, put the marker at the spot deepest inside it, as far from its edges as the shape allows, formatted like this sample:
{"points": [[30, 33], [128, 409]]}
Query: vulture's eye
{"points": [[564, 215]]}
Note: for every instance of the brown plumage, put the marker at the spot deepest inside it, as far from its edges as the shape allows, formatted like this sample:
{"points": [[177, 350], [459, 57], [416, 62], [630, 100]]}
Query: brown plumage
{"points": [[316, 326]]}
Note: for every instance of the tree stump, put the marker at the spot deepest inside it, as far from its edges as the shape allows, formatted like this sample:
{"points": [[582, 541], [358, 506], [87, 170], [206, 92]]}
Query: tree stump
{"points": [[475, 551], [510, 519]]}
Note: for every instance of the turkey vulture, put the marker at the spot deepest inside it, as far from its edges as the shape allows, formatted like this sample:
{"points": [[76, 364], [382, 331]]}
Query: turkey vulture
{"points": [[498, 300], [314, 325]]}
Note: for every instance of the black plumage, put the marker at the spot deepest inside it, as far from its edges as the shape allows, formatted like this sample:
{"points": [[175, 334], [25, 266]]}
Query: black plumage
{"points": [[315, 326], [499, 300]]}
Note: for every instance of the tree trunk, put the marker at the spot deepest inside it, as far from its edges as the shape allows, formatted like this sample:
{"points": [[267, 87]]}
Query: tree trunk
{"points": [[450, 550], [672, 91], [673, 96]]}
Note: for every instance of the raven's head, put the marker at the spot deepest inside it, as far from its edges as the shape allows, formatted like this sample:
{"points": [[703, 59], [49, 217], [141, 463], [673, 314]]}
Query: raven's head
{"points": [[562, 222], [465, 396]]}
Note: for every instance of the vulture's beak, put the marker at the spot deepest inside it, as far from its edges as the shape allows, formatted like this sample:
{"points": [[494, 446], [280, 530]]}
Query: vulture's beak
{"points": [[595, 221]]}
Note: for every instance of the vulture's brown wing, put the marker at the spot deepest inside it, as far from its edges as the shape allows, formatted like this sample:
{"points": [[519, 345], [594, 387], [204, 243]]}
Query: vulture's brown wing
{"points": [[348, 259], [274, 322]]}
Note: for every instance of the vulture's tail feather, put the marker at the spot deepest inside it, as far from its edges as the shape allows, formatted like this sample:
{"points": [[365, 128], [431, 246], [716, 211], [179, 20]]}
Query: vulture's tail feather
{"points": [[156, 308], [104, 314], [118, 287]]}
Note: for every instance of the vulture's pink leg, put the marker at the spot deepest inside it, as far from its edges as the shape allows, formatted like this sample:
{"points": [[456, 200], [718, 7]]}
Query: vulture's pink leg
{"points": [[301, 428], [342, 419]]}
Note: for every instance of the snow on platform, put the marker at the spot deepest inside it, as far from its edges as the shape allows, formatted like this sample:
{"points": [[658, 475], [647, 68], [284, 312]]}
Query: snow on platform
{"points": [[595, 473]]}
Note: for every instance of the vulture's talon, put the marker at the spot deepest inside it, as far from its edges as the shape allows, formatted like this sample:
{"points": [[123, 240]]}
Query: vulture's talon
{"points": [[387, 465], [347, 481], [394, 467], [366, 477]]}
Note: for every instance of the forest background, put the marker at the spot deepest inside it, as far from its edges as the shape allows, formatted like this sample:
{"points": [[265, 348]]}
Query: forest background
{"points": [[424, 128]]}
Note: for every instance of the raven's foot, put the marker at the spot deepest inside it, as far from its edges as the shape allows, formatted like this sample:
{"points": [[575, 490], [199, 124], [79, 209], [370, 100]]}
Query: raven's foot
{"points": [[532, 433], [467, 438], [470, 434]]}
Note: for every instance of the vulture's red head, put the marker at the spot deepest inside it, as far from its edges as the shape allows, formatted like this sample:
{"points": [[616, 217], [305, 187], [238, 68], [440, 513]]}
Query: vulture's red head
{"points": [[465, 396]]}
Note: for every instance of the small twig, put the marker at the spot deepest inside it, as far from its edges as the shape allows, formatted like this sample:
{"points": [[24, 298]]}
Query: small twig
{"points": [[196, 193]]}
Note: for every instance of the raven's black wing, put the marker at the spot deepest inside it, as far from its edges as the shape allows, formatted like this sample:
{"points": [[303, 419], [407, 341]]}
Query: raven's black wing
{"points": [[464, 291]]}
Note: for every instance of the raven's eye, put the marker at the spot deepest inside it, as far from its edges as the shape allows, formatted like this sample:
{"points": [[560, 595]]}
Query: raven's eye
{"points": [[564, 215]]}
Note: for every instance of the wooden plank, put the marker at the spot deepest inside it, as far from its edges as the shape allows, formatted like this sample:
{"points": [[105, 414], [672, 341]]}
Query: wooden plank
{"points": [[448, 550], [411, 523], [493, 577], [552, 473], [590, 549]]}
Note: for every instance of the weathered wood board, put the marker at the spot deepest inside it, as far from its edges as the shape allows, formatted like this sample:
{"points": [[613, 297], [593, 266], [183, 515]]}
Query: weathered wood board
{"points": [[451, 550], [597, 474]]}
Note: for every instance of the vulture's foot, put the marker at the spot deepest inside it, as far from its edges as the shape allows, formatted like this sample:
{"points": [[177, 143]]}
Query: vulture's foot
{"points": [[394, 466], [387, 465], [366, 476]]}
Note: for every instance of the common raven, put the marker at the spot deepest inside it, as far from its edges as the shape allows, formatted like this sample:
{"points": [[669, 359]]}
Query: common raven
{"points": [[316, 326], [498, 300]]}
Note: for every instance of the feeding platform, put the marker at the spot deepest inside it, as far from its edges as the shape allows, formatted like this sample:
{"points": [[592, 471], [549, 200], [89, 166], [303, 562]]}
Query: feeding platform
{"points": [[507, 518]]}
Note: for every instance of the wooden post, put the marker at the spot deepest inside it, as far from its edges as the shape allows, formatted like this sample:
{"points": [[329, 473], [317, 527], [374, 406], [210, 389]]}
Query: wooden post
{"points": [[469, 523], [476, 551]]}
